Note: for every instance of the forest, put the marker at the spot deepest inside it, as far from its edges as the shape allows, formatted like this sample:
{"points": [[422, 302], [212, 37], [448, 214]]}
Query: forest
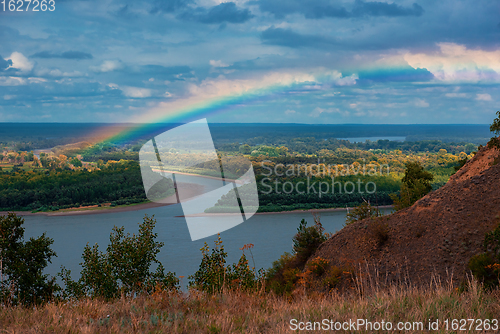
{"points": [[79, 174]]}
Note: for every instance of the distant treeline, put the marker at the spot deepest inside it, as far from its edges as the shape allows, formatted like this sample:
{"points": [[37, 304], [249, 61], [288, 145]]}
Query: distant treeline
{"points": [[118, 183], [311, 145], [278, 134], [30, 136]]}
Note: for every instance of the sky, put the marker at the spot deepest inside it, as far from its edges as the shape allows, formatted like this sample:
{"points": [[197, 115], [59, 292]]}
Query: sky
{"points": [[270, 61]]}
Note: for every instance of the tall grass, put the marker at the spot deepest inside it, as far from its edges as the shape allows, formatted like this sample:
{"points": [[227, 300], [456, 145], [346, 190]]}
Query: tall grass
{"points": [[257, 312]]}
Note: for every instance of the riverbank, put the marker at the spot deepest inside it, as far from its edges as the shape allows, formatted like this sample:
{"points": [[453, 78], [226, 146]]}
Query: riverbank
{"points": [[94, 210], [190, 190], [90, 210], [282, 212]]}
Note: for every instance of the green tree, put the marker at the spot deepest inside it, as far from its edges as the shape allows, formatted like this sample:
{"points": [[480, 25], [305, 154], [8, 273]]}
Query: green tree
{"points": [[210, 276], [76, 162], [495, 128], [362, 211], [213, 275], [308, 239], [22, 263], [245, 149], [416, 183], [124, 268]]}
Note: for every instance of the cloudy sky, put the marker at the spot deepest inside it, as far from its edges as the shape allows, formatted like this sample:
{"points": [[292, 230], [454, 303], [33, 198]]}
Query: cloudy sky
{"points": [[314, 61]]}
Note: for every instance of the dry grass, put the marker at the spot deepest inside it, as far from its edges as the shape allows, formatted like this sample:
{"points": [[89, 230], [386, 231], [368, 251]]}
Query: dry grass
{"points": [[238, 312]]}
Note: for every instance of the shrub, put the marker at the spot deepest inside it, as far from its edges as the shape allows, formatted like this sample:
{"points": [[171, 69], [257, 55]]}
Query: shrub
{"points": [[213, 275], [318, 266], [286, 272], [486, 266], [23, 262], [495, 128], [416, 183], [123, 269], [362, 211], [380, 232], [307, 240], [332, 277]]}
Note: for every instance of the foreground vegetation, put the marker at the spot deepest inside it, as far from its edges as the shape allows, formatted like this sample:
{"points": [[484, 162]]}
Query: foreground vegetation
{"points": [[243, 312]]}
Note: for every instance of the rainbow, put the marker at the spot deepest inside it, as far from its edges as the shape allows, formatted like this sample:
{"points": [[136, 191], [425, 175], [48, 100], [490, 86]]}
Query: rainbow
{"points": [[161, 119]]}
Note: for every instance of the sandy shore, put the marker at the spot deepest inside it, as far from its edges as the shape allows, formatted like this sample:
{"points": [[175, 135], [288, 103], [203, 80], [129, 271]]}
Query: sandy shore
{"points": [[281, 212], [90, 210], [189, 190]]}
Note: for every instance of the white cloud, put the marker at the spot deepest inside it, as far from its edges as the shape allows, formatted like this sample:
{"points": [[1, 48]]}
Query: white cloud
{"points": [[36, 80], [221, 86], [421, 103], [290, 112], [218, 63], [454, 95], [319, 111], [454, 62], [136, 92], [12, 81], [57, 73], [483, 97], [108, 66], [20, 62]]}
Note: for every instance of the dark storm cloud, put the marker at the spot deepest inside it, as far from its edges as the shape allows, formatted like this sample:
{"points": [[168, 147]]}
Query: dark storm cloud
{"points": [[65, 55], [224, 12], [289, 38], [315, 9], [4, 63]]}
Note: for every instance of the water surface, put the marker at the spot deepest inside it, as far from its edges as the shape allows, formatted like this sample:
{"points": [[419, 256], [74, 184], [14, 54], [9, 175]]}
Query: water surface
{"points": [[271, 235]]}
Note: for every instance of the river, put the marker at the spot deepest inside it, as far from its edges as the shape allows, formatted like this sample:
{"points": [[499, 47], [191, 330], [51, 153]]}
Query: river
{"points": [[271, 235]]}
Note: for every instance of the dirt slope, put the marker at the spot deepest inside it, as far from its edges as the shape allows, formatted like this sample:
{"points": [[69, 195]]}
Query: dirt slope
{"points": [[437, 235]]}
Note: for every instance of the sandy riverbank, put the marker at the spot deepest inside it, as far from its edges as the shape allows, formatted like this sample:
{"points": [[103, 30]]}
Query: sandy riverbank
{"points": [[190, 190], [282, 212]]}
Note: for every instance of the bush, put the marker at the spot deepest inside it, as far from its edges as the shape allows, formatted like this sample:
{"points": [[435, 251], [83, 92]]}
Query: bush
{"points": [[213, 275], [210, 275], [318, 266], [307, 240], [23, 281], [486, 266], [124, 268], [286, 272], [416, 183], [495, 128], [380, 232], [362, 211], [333, 277]]}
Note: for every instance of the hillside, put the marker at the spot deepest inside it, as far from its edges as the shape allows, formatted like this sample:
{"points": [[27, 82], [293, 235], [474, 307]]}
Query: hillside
{"points": [[435, 237]]}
